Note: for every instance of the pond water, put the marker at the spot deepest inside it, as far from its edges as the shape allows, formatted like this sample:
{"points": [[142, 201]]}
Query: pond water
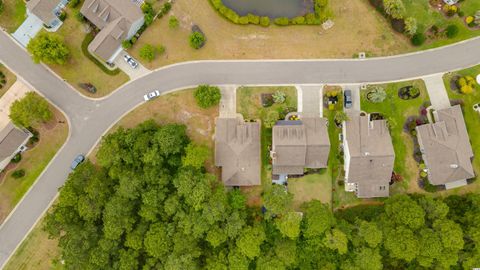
{"points": [[270, 8]]}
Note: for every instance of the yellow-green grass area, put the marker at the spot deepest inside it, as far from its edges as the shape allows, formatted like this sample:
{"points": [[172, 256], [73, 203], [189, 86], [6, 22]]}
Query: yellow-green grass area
{"points": [[312, 186], [249, 105], [396, 111], [52, 137], [472, 121], [80, 69], [13, 14], [358, 28], [10, 79], [36, 252]]}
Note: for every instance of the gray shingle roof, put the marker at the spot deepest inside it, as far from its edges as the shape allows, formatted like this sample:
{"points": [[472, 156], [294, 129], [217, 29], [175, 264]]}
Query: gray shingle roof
{"points": [[43, 9], [11, 138], [237, 151], [371, 155], [446, 147], [302, 144]]}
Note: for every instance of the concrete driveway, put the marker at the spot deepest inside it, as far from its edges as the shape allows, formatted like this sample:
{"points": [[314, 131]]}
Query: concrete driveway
{"points": [[228, 103], [28, 30], [310, 99], [16, 91], [125, 67], [437, 91], [355, 88]]}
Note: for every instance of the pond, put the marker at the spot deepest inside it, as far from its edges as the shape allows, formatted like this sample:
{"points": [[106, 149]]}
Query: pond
{"points": [[271, 8]]}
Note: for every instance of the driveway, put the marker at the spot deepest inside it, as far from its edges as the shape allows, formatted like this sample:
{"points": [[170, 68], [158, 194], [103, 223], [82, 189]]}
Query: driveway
{"points": [[16, 91], [437, 91], [28, 30], [125, 67], [310, 99], [228, 103], [355, 88]]}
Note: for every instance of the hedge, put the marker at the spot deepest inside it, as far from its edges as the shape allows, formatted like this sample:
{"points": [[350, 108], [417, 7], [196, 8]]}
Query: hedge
{"points": [[88, 38], [322, 13]]}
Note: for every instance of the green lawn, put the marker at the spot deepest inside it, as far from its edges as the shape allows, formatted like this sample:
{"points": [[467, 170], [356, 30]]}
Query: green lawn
{"points": [[472, 120], [314, 186], [399, 110], [13, 15], [9, 77]]}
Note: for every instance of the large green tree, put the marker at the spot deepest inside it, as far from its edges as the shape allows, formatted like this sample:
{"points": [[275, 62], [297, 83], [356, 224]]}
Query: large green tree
{"points": [[207, 96], [49, 48], [30, 110]]}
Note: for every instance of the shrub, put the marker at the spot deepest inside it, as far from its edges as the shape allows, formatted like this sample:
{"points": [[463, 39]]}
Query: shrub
{"points": [[377, 94], [1, 6], [264, 21], [279, 97], [74, 3], [282, 21], [173, 22], [161, 49], [310, 18], [466, 84], [253, 19], [79, 16], [17, 158], [62, 16], [197, 40], [207, 96], [148, 12], [298, 20], [126, 44], [418, 39], [413, 92], [243, 20], [470, 21], [451, 31], [411, 26], [271, 118], [148, 52], [398, 25], [133, 40], [18, 174], [394, 8]]}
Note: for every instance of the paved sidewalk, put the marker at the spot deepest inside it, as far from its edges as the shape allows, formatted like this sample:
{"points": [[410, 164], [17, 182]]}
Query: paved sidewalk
{"points": [[437, 91], [16, 91], [228, 103], [310, 99]]}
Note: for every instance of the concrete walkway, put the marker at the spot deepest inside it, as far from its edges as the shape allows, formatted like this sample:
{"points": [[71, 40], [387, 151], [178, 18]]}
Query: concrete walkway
{"points": [[228, 103], [437, 91], [310, 99]]}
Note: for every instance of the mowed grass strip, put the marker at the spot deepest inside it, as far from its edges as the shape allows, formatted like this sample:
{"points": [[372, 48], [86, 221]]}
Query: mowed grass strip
{"points": [[13, 15]]}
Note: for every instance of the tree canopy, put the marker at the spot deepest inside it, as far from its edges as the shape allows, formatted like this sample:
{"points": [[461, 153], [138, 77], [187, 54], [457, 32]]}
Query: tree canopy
{"points": [[30, 110], [207, 96], [143, 206], [49, 48]]}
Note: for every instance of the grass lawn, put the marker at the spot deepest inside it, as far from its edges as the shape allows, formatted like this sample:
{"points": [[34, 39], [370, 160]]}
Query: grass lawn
{"points": [[399, 110], [80, 69], [34, 160], [472, 120], [250, 106], [315, 186], [9, 77], [36, 252], [226, 40], [13, 15]]}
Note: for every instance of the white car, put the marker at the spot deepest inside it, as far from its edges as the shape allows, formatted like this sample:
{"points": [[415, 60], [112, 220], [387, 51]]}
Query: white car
{"points": [[130, 61], [151, 95]]}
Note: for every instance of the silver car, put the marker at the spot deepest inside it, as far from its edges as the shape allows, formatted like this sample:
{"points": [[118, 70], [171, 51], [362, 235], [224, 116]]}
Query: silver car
{"points": [[130, 61], [151, 95]]}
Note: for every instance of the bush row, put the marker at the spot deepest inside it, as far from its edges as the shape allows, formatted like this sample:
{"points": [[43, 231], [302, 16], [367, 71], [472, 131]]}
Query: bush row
{"points": [[322, 13], [88, 38]]}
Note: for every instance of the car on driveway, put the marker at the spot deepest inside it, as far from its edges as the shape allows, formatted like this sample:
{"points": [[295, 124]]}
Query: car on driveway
{"points": [[347, 97], [79, 159], [151, 95], [130, 61]]}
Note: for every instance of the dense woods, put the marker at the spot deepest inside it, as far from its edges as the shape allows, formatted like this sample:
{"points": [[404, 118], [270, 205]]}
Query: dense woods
{"points": [[144, 207]]}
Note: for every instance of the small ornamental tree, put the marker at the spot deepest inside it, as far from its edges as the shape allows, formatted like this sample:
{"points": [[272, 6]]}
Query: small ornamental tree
{"points": [[451, 31], [279, 97], [377, 94], [30, 110], [48, 48], [197, 40], [173, 22], [147, 52], [207, 96]]}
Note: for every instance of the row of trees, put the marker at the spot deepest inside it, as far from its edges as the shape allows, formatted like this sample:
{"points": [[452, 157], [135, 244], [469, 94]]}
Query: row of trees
{"points": [[149, 204]]}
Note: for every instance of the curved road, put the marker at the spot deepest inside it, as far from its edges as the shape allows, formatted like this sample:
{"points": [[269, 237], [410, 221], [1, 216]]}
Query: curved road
{"points": [[89, 119]]}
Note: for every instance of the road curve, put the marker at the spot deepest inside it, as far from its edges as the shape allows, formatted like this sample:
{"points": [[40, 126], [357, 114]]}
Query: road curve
{"points": [[89, 119]]}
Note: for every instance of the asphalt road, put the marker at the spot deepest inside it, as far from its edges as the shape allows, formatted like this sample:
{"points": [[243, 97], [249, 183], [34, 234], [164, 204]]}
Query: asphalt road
{"points": [[89, 119]]}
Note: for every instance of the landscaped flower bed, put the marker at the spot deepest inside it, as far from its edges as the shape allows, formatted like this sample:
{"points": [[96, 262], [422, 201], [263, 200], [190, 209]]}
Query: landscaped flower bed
{"points": [[408, 92]]}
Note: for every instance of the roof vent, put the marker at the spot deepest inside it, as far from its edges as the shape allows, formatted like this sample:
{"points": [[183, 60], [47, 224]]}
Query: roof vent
{"points": [[453, 166]]}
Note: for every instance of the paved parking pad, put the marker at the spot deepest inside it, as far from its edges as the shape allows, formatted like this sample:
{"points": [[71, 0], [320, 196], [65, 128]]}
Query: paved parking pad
{"points": [[133, 73]]}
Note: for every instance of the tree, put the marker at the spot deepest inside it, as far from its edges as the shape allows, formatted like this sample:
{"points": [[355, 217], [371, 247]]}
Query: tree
{"points": [[173, 22], [401, 243], [289, 224], [370, 233], [148, 52], [317, 219], [207, 96], [30, 110], [196, 155], [277, 201], [402, 210], [336, 240], [411, 26], [394, 8], [126, 44], [271, 118], [250, 240], [49, 48], [197, 40]]}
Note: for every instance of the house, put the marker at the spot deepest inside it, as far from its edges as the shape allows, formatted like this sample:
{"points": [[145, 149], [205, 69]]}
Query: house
{"points": [[47, 11], [368, 156], [237, 151], [446, 148], [299, 144], [118, 20], [12, 141]]}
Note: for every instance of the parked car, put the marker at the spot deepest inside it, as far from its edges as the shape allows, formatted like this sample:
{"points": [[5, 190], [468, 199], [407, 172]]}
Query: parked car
{"points": [[151, 95], [347, 94], [79, 159], [130, 61]]}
